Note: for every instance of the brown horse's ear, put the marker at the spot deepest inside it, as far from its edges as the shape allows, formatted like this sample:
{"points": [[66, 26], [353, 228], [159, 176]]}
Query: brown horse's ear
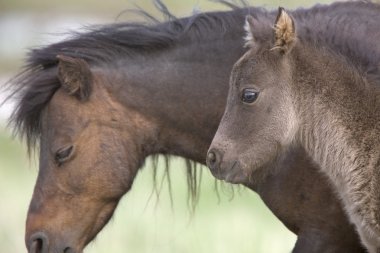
{"points": [[249, 28], [75, 76], [284, 32]]}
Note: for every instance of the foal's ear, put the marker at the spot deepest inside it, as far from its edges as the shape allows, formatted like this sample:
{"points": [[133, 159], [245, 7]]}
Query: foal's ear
{"points": [[284, 32], [75, 76], [249, 28]]}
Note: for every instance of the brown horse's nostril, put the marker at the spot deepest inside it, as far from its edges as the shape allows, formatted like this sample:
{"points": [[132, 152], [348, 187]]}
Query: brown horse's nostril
{"points": [[38, 243], [68, 250]]}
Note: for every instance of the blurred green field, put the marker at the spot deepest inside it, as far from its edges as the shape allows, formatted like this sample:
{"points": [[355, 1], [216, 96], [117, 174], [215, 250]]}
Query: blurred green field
{"points": [[141, 224]]}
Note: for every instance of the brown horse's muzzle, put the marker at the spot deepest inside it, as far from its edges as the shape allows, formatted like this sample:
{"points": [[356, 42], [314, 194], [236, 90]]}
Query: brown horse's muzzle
{"points": [[55, 228], [46, 228], [39, 243]]}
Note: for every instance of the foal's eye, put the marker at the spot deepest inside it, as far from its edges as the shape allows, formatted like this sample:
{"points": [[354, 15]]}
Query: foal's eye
{"points": [[249, 95], [63, 154]]}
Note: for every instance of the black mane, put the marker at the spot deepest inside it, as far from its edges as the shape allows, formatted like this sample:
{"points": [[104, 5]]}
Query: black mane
{"points": [[36, 84]]}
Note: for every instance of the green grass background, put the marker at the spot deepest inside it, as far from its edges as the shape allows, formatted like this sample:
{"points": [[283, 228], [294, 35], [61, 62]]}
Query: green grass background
{"points": [[140, 224]]}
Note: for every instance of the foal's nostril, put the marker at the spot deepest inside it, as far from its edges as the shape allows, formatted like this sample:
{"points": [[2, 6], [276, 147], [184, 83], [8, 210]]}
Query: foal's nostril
{"points": [[38, 243], [211, 157]]}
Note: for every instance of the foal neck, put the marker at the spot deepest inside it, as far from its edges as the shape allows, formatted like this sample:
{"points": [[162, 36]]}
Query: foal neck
{"points": [[338, 108], [340, 129]]}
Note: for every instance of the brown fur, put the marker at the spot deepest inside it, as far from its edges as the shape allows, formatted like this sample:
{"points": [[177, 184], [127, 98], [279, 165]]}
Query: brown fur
{"points": [[75, 76], [310, 98], [90, 134]]}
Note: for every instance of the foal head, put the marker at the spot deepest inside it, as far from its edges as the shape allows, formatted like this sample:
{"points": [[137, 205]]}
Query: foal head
{"points": [[259, 120]]}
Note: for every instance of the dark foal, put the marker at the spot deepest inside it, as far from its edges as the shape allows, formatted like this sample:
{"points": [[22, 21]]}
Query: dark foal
{"points": [[287, 93], [101, 102]]}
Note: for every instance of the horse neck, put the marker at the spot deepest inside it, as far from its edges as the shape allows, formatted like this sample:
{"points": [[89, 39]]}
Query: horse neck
{"points": [[339, 127], [181, 90]]}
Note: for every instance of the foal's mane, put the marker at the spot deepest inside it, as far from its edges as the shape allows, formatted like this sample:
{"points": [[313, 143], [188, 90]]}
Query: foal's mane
{"points": [[362, 56]]}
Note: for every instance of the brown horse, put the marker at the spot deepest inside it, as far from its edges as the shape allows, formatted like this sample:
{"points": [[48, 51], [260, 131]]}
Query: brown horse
{"points": [[100, 103], [289, 92]]}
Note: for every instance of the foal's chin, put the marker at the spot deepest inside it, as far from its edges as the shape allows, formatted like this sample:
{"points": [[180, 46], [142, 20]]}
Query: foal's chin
{"points": [[246, 170], [231, 172]]}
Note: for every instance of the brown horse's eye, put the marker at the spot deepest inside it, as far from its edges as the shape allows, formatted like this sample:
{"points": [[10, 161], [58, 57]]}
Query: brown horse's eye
{"points": [[249, 95], [63, 154]]}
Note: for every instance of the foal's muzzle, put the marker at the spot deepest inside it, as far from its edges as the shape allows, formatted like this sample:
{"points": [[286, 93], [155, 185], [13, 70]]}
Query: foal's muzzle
{"points": [[223, 168]]}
